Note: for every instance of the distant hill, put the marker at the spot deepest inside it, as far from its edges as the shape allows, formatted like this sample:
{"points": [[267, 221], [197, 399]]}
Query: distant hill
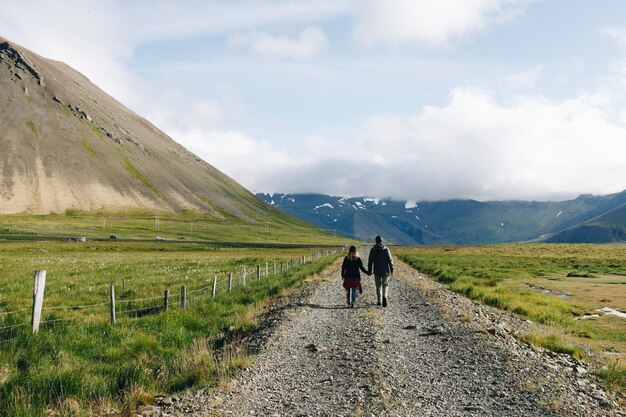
{"points": [[585, 219], [66, 144]]}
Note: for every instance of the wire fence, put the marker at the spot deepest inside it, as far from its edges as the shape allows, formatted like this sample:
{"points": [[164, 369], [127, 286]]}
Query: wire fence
{"points": [[17, 322]]}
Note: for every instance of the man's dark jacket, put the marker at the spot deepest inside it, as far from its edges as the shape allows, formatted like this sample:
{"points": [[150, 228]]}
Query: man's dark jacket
{"points": [[381, 258]]}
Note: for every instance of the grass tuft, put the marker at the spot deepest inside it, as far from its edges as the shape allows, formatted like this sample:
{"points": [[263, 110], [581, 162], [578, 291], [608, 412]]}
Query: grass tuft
{"points": [[142, 178], [33, 128]]}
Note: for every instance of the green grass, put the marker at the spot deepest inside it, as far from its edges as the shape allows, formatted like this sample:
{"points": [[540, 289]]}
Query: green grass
{"points": [[33, 128], [588, 276], [88, 147], [142, 225], [87, 363], [142, 178]]}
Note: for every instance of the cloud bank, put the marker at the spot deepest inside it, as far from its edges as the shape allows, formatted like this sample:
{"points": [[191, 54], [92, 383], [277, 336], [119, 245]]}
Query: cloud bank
{"points": [[474, 147]]}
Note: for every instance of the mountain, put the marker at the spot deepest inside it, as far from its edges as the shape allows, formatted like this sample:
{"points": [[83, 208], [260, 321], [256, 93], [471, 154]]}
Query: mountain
{"points": [[608, 227], [67, 145], [584, 219]]}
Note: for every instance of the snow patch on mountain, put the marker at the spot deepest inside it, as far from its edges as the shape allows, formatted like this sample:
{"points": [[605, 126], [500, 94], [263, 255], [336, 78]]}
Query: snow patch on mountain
{"points": [[410, 204], [324, 205]]}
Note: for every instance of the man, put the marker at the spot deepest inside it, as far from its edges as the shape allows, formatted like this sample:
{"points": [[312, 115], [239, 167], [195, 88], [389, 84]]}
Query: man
{"points": [[380, 257]]}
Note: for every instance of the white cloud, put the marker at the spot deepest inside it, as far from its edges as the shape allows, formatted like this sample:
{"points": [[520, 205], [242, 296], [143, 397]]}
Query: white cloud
{"points": [[99, 38], [522, 80], [474, 147], [431, 23], [310, 43], [617, 34]]}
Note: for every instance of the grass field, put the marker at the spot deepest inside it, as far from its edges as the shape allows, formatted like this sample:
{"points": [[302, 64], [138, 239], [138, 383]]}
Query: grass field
{"points": [[138, 225], [80, 363], [552, 285]]}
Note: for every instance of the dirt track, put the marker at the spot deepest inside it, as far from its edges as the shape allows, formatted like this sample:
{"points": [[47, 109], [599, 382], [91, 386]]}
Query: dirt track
{"points": [[429, 353]]}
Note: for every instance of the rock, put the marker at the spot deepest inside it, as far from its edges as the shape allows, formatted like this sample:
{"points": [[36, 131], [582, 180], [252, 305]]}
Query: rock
{"points": [[149, 411], [410, 327], [579, 370], [58, 100], [472, 408], [311, 347], [431, 331], [166, 401]]}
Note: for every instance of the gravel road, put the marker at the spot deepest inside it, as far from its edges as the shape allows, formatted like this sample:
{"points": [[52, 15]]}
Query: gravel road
{"points": [[429, 353]]}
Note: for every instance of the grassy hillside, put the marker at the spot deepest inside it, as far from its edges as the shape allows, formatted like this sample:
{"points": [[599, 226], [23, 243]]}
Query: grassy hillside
{"points": [[67, 145]]}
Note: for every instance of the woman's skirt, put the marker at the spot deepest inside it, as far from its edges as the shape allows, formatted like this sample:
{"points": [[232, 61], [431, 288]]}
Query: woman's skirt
{"points": [[352, 283]]}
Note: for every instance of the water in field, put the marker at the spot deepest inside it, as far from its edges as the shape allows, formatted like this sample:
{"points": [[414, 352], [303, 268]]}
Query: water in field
{"points": [[604, 310], [609, 310]]}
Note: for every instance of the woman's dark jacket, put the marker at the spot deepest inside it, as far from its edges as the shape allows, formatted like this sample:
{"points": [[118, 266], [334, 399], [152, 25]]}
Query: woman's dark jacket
{"points": [[350, 268]]}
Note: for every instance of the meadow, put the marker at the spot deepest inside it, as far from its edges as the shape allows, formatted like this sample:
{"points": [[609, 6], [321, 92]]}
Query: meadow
{"points": [[555, 286], [78, 363], [140, 225]]}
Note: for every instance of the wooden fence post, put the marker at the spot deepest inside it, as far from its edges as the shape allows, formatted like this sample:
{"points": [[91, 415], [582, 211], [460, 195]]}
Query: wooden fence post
{"points": [[214, 286], [183, 296], [166, 300], [281, 267], [274, 266], [266, 269], [230, 281], [38, 288], [112, 296], [244, 275], [258, 272]]}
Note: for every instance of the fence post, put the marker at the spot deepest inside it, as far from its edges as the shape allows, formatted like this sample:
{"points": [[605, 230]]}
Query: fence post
{"points": [[112, 296], [266, 269], [258, 272], [214, 286], [38, 288], [274, 266], [281, 267], [166, 300], [244, 275], [183, 296], [230, 281]]}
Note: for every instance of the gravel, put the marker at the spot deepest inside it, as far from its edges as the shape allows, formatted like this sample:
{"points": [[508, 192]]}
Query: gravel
{"points": [[429, 353]]}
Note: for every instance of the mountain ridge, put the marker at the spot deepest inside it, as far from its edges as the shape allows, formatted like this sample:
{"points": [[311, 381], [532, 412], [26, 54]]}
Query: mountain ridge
{"points": [[462, 221], [67, 145]]}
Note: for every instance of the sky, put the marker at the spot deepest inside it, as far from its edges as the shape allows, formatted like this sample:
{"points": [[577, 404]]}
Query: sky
{"points": [[403, 99]]}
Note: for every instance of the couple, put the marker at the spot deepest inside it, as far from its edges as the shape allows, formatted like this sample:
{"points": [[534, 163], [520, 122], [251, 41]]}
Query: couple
{"points": [[380, 257]]}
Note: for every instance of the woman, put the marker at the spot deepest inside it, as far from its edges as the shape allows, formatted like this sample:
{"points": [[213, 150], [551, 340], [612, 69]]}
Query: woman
{"points": [[351, 275]]}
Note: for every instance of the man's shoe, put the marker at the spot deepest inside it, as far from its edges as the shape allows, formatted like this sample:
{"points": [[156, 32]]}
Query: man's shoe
{"points": [[352, 305], [384, 301], [378, 303]]}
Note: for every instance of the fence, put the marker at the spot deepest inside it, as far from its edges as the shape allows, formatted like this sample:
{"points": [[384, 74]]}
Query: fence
{"points": [[13, 322]]}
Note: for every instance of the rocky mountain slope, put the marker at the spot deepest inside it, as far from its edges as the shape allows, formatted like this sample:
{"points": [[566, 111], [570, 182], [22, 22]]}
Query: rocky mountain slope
{"points": [[66, 144], [597, 219]]}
